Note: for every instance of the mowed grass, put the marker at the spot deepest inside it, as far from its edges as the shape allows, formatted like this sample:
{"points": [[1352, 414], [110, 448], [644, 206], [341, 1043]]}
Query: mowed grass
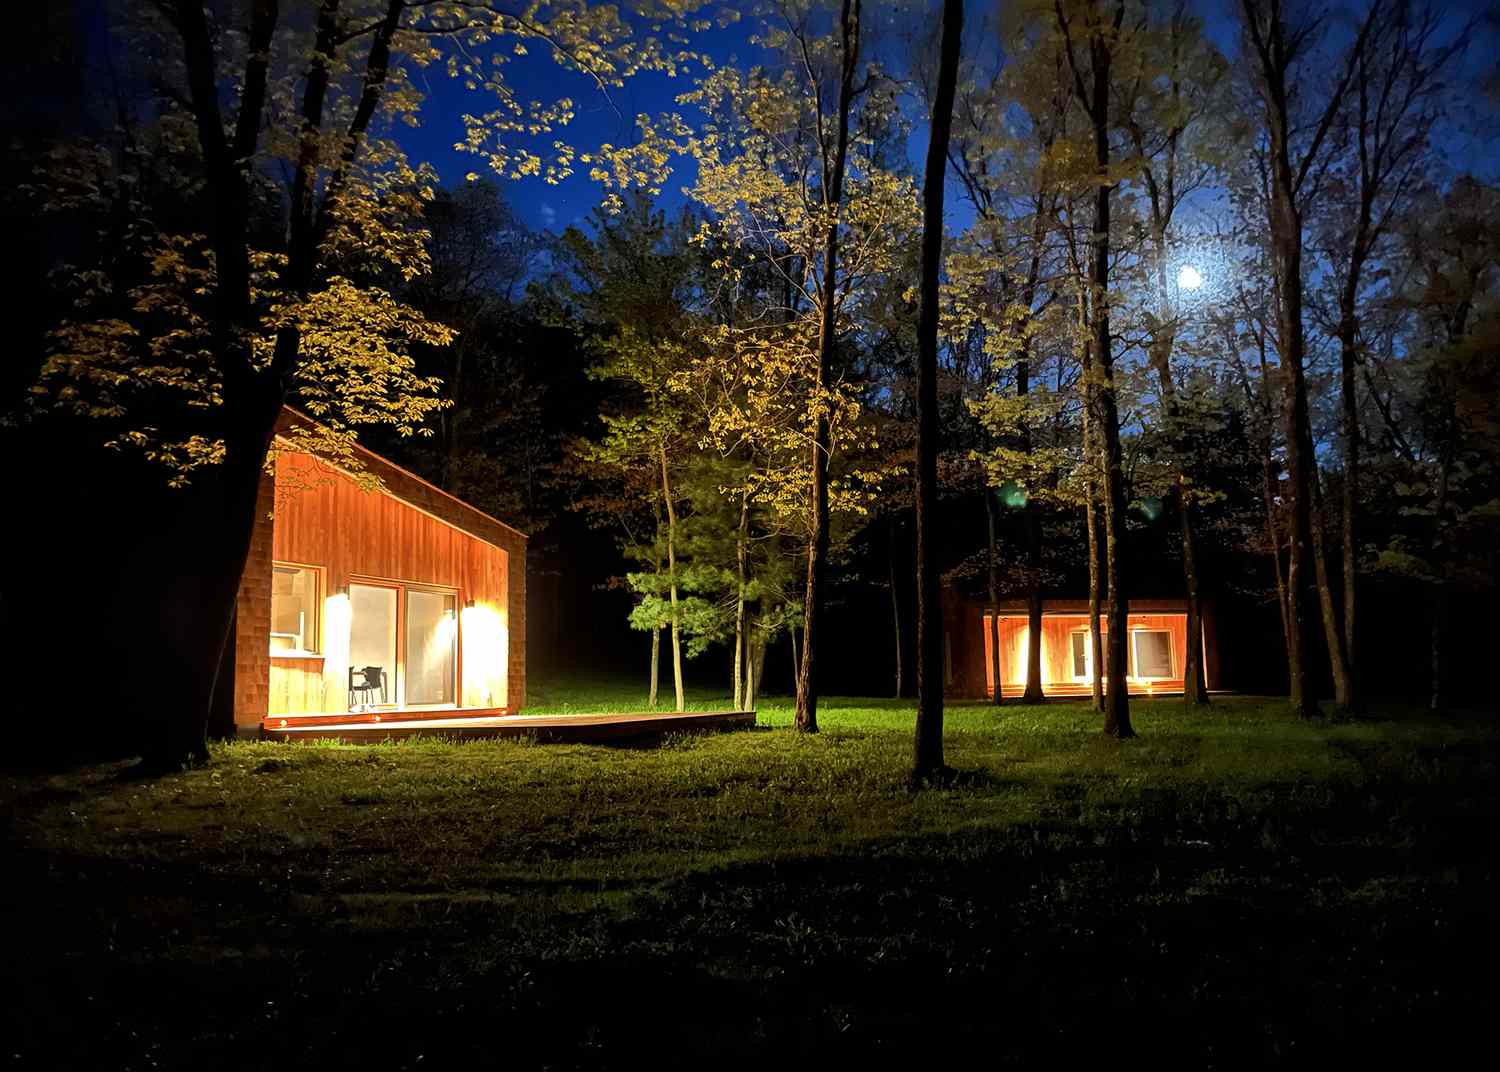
{"points": [[1255, 889]]}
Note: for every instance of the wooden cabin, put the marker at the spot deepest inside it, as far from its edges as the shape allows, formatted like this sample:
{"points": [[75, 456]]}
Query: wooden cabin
{"points": [[1156, 649], [361, 605]]}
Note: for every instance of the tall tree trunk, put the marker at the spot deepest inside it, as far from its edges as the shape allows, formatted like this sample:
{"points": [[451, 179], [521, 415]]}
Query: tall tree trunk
{"points": [[1194, 685], [1033, 692], [927, 758], [896, 614], [196, 608], [1274, 51], [1096, 100], [656, 631], [1337, 659], [1348, 359], [1273, 535], [757, 657], [990, 510], [1090, 514], [676, 624], [817, 552], [741, 638], [1286, 239], [1441, 600], [1299, 487], [1268, 483], [655, 666], [1096, 603], [1194, 690], [755, 650]]}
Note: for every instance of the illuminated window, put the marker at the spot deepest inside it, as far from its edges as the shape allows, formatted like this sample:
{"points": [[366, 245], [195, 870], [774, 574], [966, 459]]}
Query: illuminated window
{"points": [[1080, 652], [294, 610], [1152, 649]]}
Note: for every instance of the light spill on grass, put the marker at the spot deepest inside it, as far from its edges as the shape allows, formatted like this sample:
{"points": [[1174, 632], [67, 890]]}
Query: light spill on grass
{"points": [[546, 902], [426, 816]]}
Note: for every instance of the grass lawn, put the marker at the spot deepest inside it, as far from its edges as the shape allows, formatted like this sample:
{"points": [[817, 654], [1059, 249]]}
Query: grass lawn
{"points": [[1231, 889]]}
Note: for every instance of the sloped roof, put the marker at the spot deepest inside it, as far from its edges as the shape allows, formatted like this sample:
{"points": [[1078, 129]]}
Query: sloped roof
{"points": [[411, 489]]}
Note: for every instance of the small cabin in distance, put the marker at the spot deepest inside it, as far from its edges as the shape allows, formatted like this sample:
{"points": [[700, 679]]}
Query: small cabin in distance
{"points": [[360, 605], [1156, 648]]}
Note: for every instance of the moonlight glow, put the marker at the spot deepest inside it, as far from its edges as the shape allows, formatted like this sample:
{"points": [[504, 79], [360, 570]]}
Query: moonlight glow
{"points": [[1189, 278]]}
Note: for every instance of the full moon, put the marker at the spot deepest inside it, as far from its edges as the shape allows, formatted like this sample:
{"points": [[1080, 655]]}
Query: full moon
{"points": [[1188, 278]]}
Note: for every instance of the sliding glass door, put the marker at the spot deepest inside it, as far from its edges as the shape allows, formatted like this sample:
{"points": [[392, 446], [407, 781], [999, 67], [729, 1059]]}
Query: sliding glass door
{"points": [[431, 646], [372, 645], [403, 646]]}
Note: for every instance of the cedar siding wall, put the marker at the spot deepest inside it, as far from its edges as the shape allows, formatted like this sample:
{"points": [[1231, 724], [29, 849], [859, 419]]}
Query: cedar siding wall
{"points": [[1057, 670], [324, 519]]}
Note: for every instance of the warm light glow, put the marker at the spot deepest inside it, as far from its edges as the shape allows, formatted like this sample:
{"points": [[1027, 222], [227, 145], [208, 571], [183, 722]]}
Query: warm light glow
{"points": [[1022, 657], [486, 652], [1189, 278], [337, 616]]}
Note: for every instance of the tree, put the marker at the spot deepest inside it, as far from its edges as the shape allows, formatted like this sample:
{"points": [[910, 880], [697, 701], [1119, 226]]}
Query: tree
{"points": [[1395, 105], [633, 284], [833, 153], [789, 164], [1175, 92], [1013, 178], [1103, 38], [928, 759], [1294, 149], [1436, 397]]}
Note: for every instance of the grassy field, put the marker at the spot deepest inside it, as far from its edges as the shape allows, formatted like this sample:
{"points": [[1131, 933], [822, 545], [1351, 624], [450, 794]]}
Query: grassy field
{"points": [[1231, 889]]}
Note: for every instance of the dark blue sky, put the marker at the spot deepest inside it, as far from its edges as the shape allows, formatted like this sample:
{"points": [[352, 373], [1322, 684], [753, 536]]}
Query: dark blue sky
{"points": [[600, 120]]}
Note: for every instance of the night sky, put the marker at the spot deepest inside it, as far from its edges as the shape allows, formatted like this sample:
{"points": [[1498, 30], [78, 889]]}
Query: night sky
{"points": [[598, 120]]}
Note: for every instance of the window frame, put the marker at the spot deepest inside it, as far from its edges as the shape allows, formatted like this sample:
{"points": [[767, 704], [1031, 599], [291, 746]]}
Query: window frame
{"points": [[1088, 655], [398, 699], [1135, 660], [315, 631], [404, 640]]}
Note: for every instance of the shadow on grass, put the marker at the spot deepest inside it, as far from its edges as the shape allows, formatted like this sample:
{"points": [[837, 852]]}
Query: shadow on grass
{"points": [[1035, 943]]}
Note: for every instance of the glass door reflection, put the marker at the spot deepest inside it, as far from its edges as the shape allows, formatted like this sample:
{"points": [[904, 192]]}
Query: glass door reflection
{"points": [[431, 647], [372, 646]]}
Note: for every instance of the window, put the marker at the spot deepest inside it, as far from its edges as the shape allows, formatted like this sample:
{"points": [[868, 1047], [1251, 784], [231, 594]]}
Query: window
{"points": [[1153, 653], [372, 645], [431, 646], [1080, 652], [403, 645], [294, 610]]}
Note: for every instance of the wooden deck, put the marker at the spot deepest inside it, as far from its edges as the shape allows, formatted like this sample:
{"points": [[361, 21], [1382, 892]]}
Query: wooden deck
{"points": [[573, 729]]}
